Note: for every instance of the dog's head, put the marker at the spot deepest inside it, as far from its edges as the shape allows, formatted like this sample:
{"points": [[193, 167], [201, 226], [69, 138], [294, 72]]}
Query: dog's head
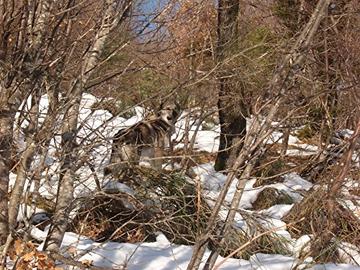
{"points": [[169, 112]]}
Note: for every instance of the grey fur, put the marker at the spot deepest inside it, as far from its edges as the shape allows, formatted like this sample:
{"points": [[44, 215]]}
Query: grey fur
{"points": [[148, 136]]}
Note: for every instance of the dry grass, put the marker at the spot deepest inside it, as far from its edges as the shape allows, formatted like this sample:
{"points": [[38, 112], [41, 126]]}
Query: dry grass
{"points": [[328, 226], [261, 240]]}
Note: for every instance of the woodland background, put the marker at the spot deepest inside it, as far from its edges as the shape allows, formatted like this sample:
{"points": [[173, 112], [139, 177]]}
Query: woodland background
{"points": [[251, 68]]}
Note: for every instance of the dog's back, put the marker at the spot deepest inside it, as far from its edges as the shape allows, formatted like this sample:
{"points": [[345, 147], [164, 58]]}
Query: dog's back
{"points": [[143, 133]]}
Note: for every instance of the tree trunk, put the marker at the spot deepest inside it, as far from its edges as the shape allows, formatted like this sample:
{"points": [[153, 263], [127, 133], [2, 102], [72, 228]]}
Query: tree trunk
{"points": [[285, 141], [25, 161], [111, 19], [66, 182], [328, 69], [29, 39], [243, 178], [231, 109], [6, 139]]}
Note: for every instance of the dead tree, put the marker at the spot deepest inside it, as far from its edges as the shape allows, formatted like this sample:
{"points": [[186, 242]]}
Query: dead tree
{"points": [[281, 82]]}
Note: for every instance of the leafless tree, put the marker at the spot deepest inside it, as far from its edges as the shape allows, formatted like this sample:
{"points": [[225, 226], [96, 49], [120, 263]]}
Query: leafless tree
{"points": [[40, 45], [62, 50], [281, 82], [111, 17], [23, 54]]}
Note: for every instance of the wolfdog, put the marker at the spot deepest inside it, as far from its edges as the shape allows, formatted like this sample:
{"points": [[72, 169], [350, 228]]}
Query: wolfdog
{"points": [[148, 136]]}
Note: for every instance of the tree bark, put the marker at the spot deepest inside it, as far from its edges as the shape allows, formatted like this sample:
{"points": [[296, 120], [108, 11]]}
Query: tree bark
{"points": [[231, 109], [6, 139], [279, 85], [25, 162], [19, 82], [111, 19]]}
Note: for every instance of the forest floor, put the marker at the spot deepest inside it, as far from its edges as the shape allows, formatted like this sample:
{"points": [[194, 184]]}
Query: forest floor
{"points": [[161, 254]]}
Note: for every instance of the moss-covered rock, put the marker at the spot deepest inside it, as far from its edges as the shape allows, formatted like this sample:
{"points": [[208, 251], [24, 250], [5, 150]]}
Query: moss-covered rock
{"points": [[270, 196], [270, 172]]}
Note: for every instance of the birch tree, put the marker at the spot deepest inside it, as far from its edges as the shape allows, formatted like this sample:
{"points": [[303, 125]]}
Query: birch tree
{"points": [[22, 56], [112, 16], [41, 42]]}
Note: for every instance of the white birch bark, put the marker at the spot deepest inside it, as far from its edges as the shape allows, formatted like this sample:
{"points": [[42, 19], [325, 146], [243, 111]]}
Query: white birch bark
{"points": [[13, 90], [111, 19]]}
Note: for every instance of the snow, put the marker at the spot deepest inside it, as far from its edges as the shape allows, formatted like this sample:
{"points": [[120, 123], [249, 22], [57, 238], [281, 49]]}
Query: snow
{"points": [[272, 262], [38, 234], [213, 181], [162, 255], [27, 212], [96, 129], [276, 137], [349, 253], [277, 211], [333, 266], [294, 182], [111, 185], [40, 216], [206, 140], [345, 133], [301, 246]]}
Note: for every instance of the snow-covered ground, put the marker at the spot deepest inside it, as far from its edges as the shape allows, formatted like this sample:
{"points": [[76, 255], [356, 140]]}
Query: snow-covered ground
{"points": [[164, 255], [96, 130]]}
